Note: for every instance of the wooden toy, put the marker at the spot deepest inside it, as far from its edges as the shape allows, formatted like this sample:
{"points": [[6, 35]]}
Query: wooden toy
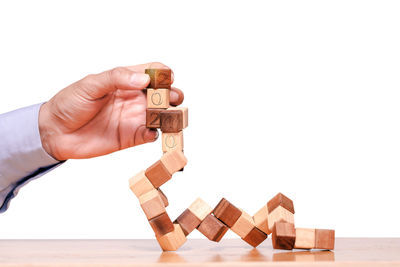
{"points": [[157, 98], [305, 238], [255, 237], [200, 209], [153, 118], [283, 235], [158, 174], [159, 78], [140, 184], [174, 161], [212, 228], [172, 141], [152, 204], [163, 197], [172, 240], [188, 221], [227, 212], [161, 224], [243, 225], [324, 239]]}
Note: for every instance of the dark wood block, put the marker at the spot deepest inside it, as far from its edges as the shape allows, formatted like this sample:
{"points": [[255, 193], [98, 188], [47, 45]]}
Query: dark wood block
{"points": [[283, 235], [227, 212], [153, 118], [188, 221], [161, 224], [163, 197], [171, 121], [324, 239], [212, 228], [255, 237], [280, 200], [157, 174], [159, 78]]}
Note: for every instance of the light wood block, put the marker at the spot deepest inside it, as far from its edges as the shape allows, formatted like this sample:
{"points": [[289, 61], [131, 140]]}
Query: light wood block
{"points": [[280, 200], [305, 238], [227, 212], [172, 141], [279, 214], [139, 184], [159, 78], [185, 117], [212, 228], [255, 237], [158, 174], [163, 197], [152, 204], [173, 240], [243, 225], [283, 235], [261, 220], [161, 224], [158, 98], [200, 209], [153, 117], [174, 161], [324, 239], [188, 221]]}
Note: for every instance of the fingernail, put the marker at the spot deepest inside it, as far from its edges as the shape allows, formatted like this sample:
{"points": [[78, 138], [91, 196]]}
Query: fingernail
{"points": [[174, 96], [139, 80]]}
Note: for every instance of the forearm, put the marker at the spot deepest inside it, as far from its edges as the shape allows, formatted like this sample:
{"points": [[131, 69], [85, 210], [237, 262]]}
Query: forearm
{"points": [[22, 157]]}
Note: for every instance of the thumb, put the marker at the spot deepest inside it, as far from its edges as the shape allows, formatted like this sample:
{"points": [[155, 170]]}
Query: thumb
{"points": [[96, 86]]}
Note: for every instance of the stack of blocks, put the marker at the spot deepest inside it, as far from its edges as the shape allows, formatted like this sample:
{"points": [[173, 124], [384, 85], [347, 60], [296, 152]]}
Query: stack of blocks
{"points": [[275, 218]]}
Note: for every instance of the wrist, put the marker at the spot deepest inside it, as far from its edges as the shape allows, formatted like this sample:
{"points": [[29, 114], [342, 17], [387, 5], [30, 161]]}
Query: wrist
{"points": [[47, 134]]}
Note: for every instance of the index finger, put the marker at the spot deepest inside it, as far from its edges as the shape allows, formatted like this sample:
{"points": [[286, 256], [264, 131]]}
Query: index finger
{"points": [[152, 65]]}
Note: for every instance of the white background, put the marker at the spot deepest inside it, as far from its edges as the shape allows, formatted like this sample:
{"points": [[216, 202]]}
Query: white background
{"points": [[299, 97]]}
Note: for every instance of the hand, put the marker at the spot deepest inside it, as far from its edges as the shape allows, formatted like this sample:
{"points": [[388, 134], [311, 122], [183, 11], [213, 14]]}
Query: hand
{"points": [[99, 114]]}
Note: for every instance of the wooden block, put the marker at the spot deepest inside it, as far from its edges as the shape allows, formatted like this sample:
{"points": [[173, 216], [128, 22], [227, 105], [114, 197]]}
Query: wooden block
{"points": [[159, 78], [283, 235], [305, 238], [161, 224], [243, 225], [261, 220], [173, 120], [153, 117], [227, 212], [324, 239], [173, 161], [280, 200], [200, 209], [185, 117], [158, 98], [139, 184], [173, 240], [212, 228], [163, 197], [172, 141], [152, 204], [279, 214], [188, 221], [255, 237], [158, 174]]}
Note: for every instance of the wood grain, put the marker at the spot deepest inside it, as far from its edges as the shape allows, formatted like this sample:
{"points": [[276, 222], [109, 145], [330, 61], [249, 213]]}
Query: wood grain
{"points": [[305, 238], [280, 200], [171, 121], [172, 141], [185, 116], [173, 240], [161, 224], [188, 221], [279, 214], [159, 78], [158, 98], [139, 184], [212, 228], [227, 212], [163, 197], [243, 225], [158, 174], [200, 209], [324, 239], [283, 235], [153, 118], [174, 160], [152, 204], [255, 237], [260, 219]]}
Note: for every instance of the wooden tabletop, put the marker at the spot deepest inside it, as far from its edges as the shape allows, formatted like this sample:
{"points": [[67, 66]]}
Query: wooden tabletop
{"points": [[195, 252]]}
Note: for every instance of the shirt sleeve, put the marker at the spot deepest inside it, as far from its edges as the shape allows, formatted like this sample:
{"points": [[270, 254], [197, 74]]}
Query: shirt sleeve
{"points": [[22, 157]]}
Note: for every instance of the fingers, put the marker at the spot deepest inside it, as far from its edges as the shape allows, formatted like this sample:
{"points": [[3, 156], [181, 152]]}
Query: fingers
{"points": [[176, 96], [155, 65], [144, 135], [96, 86]]}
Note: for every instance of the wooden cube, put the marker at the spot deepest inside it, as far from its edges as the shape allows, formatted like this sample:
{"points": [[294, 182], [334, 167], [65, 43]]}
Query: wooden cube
{"points": [[185, 117], [158, 174], [159, 78], [173, 240], [173, 161], [161, 224], [227, 212], [279, 214], [280, 200], [188, 221], [243, 225], [200, 209], [283, 235], [173, 120], [158, 98], [212, 228], [153, 117], [255, 237], [324, 239], [305, 238], [260, 219], [139, 184], [172, 141], [152, 204], [163, 197]]}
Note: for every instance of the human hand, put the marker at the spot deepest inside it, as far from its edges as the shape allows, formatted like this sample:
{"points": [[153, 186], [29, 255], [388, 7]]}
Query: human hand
{"points": [[99, 114]]}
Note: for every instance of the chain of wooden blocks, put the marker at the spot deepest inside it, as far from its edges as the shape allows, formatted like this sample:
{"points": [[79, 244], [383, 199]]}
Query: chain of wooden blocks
{"points": [[275, 218]]}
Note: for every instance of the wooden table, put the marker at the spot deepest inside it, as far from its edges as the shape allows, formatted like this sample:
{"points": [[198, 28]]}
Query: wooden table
{"points": [[195, 252]]}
